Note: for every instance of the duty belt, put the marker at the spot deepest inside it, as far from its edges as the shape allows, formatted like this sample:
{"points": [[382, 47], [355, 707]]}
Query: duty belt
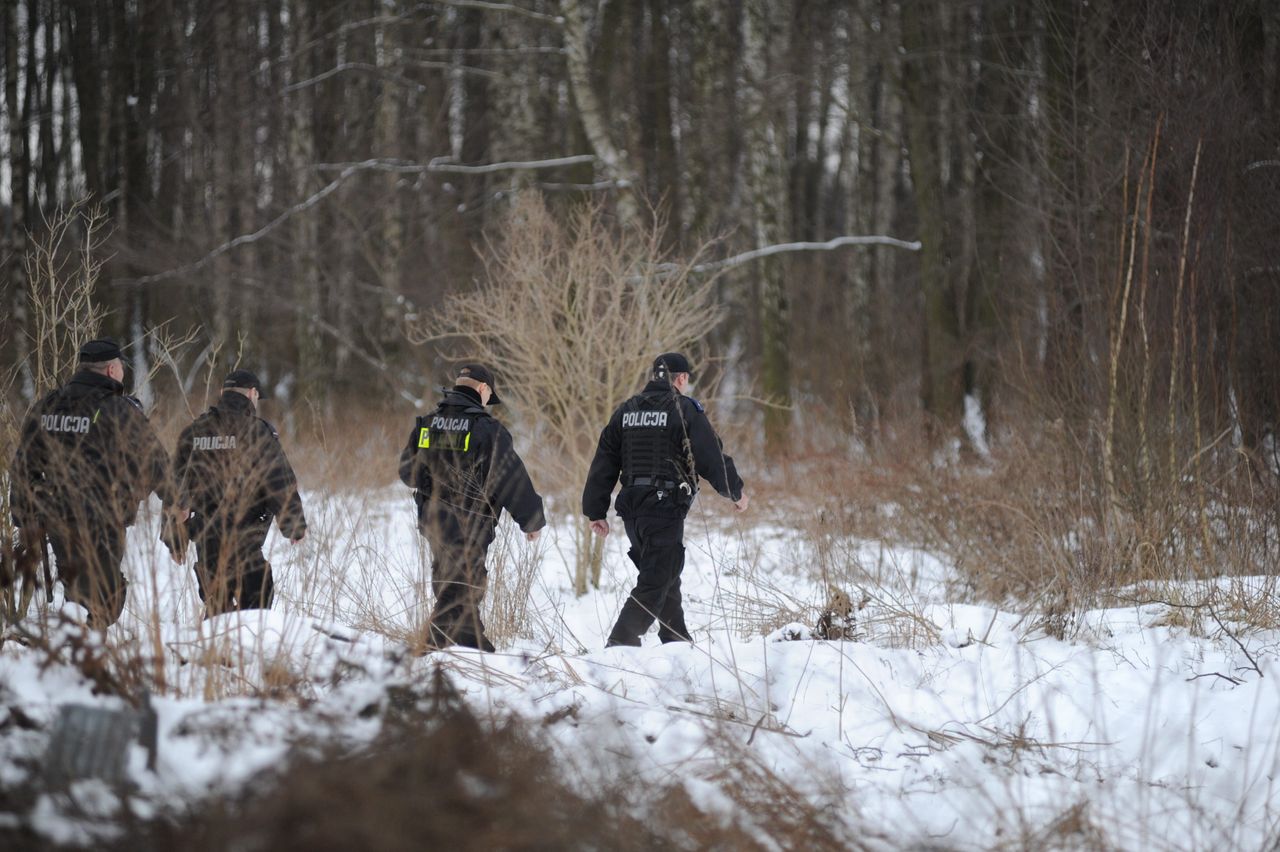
{"points": [[666, 484]]}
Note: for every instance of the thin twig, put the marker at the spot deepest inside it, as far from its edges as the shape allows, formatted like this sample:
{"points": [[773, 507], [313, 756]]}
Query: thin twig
{"points": [[503, 7], [1232, 680], [444, 165], [1233, 638]]}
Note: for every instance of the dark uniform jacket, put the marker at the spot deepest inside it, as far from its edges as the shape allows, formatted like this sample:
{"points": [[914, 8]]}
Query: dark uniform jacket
{"points": [[464, 470], [658, 442], [87, 452], [231, 469]]}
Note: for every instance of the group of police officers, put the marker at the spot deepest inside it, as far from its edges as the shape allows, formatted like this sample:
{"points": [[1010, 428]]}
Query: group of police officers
{"points": [[87, 456]]}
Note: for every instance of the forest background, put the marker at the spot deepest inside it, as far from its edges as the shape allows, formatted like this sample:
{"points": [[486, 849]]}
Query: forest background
{"points": [[1072, 212]]}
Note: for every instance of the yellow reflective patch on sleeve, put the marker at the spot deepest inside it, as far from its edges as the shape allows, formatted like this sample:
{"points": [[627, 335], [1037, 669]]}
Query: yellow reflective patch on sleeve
{"points": [[451, 442]]}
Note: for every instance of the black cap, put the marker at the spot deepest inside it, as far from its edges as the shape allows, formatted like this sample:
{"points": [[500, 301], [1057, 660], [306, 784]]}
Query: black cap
{"points": [[244, 379], [480, 373], [669, 363], [100, 350]]}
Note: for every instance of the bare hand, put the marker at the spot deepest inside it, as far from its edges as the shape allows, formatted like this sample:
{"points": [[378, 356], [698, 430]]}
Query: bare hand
{"points": [[600, 527], [740, 505], [533, 536]]}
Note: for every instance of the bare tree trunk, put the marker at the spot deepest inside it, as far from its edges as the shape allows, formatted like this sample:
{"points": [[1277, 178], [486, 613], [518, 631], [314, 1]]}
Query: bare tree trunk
{"points": [[222, 175], [310, 142], [1000, 196], [246, 102], [13, 246], [768, 194], [50, 164], [386, 134], [923, 88], [84, 66], [656, 120], [168, 124], [613, 161]]}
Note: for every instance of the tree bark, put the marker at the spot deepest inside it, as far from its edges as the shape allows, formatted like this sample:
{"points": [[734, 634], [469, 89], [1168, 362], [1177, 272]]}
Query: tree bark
{"points": [[923, 88], [768, 193], [614, 165]]}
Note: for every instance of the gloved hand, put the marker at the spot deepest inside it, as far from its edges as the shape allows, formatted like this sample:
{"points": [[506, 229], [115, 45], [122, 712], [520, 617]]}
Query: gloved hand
{"points": [[173, 532]]}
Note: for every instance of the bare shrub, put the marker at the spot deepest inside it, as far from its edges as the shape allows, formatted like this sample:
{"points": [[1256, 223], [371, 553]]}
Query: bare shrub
{"points": [[436, 777], [571, 317], [62, 266]]}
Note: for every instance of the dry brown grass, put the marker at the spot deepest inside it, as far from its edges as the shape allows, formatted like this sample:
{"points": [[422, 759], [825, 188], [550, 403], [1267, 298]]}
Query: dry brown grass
{"points": [[1032, 528]]}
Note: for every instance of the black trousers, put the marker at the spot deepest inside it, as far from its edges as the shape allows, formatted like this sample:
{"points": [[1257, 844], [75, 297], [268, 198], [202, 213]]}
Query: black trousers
{"points": [[88, 556], [231, 571], [458, 580], [657, 549]]}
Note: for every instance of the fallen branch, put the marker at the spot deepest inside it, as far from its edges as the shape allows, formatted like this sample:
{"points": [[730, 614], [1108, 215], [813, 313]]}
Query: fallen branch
{"points": [[1232, 680], [1233, 638]]}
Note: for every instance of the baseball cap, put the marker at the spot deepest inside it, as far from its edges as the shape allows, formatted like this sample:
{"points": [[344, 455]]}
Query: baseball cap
{"points": [[481, 373], [244, 379], [669, 363], [99, 350]]}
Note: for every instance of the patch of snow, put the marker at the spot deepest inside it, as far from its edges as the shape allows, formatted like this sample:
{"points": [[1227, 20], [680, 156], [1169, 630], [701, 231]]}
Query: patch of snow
{"points": [[948, 722]]}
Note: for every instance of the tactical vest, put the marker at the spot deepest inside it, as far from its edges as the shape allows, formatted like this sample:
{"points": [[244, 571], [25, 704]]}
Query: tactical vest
{"points": [[74, 422], [652, 435], [222, 433], [448, 446], [442, 432], [222, 473]]}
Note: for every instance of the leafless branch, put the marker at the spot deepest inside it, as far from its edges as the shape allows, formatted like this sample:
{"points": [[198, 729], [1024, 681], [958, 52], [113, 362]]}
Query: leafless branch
{"points": [[502, 7], [1235, 639], [440, 165], [399, 380], [540, 50], [1206, 605], [387, 74], [443, 165], [1228, 678], [246, 239], [583, 187], [781, 248], [366, 67]]}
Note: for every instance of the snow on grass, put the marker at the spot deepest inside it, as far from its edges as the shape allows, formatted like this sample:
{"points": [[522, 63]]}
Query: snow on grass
{"points": [[947, 722]]}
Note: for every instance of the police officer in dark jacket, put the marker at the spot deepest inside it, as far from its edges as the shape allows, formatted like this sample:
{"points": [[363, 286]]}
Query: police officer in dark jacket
{"points": [[658, 442], [232, 474], [464, 471], [86, 457]]}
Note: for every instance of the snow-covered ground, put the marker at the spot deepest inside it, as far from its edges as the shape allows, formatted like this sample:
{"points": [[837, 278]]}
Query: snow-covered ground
{"points": [[941, 723]]}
